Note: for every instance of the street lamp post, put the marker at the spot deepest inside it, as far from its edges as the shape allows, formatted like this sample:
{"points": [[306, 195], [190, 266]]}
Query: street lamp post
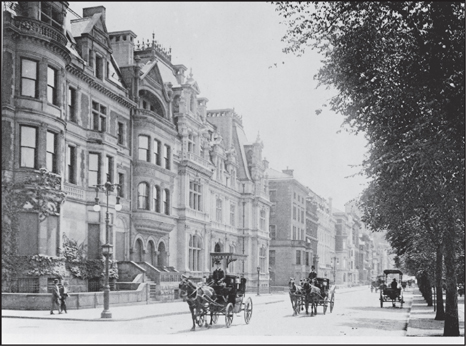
{"points": [[258, 280], [107, 249], [334, 270]]}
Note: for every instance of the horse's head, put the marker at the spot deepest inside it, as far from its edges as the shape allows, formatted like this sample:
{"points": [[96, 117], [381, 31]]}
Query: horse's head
{"points": [[186, 287]]}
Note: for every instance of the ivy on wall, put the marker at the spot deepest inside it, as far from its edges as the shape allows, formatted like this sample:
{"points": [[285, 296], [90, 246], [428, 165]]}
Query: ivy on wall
{"points": [[41, 193]]}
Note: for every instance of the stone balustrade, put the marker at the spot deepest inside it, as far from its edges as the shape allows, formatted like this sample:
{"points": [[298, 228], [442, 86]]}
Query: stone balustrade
{"points": [[39, 29]]}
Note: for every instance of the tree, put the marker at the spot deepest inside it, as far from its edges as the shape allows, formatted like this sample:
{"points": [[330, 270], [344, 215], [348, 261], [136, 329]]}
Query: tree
{"points": [[398, 68]]}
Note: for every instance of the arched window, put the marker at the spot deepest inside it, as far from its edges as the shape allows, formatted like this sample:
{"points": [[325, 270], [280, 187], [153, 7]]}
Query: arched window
{"points": [[194, 253], [162, 255], [156, 198], [166, 202], [139, 251], [152, 253], [218, 248], [143, 196]]}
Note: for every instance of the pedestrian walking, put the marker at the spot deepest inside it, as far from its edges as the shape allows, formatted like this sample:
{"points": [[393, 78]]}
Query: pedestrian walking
{"points": [[63, 296], [55, 297]]}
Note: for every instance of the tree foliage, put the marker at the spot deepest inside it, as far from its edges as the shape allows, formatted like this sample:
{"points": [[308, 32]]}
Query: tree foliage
{"points": [[398, 68]]}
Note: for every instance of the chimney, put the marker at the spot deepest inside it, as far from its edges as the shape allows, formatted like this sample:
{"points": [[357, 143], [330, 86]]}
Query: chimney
{"points": [[288, 171], [90, 11]]}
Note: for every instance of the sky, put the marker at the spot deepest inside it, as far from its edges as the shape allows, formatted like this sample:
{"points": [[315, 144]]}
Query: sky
{"points": [[235, 52]]}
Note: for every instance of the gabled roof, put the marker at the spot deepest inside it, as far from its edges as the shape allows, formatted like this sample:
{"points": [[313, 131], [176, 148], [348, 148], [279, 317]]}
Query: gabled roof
{"points": [[162, 70], [85, 25], [148, 66], [243, 163]]}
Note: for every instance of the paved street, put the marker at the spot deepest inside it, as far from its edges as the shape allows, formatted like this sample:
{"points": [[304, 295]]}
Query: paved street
{"points": [[357, 314]]}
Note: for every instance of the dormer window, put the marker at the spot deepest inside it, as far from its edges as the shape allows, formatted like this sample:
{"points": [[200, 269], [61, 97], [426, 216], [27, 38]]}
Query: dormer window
{"points": [[51, 15], [99, 67]]}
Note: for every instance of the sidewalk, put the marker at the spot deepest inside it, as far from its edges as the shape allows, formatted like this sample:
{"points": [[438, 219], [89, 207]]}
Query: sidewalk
{"points": [[130, 313], [421, 322]]}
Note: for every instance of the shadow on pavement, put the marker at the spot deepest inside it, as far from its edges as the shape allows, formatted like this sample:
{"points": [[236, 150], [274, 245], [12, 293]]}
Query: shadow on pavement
{"points": [[390, 325], [397, 309], [203, 329]]}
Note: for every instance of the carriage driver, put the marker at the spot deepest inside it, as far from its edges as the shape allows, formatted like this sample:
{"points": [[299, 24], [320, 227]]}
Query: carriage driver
{"points": [[312, 274], [218, 273], [394, 284]]}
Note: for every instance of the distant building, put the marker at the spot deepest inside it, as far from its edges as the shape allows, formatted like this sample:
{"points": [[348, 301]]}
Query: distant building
{"points": [[291, 250]]}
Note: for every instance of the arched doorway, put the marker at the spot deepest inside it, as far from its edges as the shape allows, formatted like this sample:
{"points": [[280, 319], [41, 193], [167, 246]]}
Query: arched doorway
{"points": [[152, 255], [162, 255], [139, 251]]}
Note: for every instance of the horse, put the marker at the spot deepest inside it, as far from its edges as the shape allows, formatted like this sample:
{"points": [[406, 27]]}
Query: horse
{"points": [[295, 292], [312, 295], [198, 298]]}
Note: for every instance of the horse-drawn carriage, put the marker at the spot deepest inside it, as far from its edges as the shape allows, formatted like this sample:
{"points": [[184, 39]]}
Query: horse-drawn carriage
{"points": [[315, 292], [378, 283], [224, 297], [392, 292]]}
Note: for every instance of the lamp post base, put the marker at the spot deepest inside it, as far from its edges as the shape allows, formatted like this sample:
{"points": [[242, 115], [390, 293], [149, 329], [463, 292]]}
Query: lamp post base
{"points": [[106, 314]]}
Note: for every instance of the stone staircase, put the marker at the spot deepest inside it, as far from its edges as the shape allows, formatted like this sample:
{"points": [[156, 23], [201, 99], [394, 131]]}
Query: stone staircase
{"points": [[163, 281], [152, 290]]}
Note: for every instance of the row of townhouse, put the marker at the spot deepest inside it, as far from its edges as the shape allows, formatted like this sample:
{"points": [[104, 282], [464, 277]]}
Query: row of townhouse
{"points": [[306, 231], [92, 107]]}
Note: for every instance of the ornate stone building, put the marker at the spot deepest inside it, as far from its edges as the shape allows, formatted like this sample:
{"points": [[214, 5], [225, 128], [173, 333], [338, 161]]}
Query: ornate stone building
{"points": [[92, 106], [62, 105]]}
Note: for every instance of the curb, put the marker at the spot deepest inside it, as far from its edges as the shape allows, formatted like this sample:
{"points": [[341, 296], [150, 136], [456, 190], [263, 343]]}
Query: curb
{"points": [[409, 313], [118, 319]]}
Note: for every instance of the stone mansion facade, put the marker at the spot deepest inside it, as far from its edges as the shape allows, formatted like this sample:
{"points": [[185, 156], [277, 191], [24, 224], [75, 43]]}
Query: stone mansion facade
{"points": [[91, 107]]}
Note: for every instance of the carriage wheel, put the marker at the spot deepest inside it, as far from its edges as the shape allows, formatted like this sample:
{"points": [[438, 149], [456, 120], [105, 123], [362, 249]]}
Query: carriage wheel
{"points": [[229, 315], [200, 320], [248, 310]]}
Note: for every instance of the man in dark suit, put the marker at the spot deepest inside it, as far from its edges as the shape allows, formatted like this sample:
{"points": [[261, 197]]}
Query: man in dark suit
{"points": [[63, 296], [217, 277], [55, 297], [312, 274], [218, 272], [394, 284]]}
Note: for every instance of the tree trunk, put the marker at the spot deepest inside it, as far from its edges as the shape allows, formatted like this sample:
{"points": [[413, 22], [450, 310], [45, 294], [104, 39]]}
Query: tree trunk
{"points": [[440, 316], [451, 327]]}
